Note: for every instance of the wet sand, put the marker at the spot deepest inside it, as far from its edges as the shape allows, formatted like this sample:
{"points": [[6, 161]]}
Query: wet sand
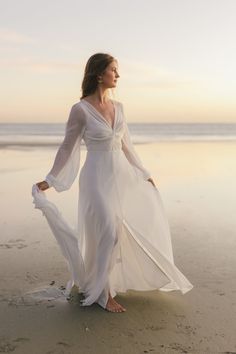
{"points": [[197, 184]]}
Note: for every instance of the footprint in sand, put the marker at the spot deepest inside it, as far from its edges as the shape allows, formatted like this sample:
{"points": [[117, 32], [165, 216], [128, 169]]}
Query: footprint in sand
{"points": [[17, 243], [21, 339], [31, 278], [64, 344], [7, 346]]}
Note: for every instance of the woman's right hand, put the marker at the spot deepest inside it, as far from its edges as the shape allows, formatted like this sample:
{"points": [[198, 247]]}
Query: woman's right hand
{"points": [[42, 185]]}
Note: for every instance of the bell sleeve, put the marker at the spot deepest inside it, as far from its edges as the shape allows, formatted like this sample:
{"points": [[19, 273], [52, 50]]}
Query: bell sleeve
{"points": [[129, 150], [67, 160]]}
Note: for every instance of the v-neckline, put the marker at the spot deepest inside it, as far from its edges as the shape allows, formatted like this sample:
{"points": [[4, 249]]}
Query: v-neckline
{"points": [[95, 109]]}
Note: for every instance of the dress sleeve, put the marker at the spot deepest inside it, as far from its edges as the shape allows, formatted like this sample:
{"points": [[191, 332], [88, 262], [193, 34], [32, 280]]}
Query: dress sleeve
{"points": [[129, 150], [67, 160]]}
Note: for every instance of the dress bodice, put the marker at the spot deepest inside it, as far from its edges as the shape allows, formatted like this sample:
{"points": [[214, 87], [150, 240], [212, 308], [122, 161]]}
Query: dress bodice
{"points": [[98, 133]]}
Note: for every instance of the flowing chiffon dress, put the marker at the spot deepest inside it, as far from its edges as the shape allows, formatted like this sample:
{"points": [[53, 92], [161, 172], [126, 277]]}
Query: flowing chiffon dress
{"points": [[122, 239]]}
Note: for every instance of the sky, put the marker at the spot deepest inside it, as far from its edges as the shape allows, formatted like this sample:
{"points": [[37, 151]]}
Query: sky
{"points": [[176, 58]]}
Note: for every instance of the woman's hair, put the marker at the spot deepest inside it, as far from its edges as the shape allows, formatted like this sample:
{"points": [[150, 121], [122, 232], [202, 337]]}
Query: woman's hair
{"points": [[95, 66]]}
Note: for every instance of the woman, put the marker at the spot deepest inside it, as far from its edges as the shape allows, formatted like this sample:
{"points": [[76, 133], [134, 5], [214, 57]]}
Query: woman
{"points": [[123, 240]]}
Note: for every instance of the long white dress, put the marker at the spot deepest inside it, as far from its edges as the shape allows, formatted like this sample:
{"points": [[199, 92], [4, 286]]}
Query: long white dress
{"points": [[122, 240]]}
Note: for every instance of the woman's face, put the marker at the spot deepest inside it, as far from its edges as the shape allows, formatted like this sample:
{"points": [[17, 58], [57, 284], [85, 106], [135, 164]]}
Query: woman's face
{"points": [[111, 75]]}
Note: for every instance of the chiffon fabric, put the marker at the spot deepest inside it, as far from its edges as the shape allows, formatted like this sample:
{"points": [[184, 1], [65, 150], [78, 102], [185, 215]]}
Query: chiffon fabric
{"points": [[122, 239]]}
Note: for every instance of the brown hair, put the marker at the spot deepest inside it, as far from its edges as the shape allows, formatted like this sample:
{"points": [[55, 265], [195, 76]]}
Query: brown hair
{"points": [[95, 66]]}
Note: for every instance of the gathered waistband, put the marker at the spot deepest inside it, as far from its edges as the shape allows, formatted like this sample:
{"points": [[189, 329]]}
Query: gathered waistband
{"points": [[113, 143], [95, 149]]}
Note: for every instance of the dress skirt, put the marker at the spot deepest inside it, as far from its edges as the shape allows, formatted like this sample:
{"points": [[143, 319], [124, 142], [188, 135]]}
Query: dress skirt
{"points": [[122, 239]]}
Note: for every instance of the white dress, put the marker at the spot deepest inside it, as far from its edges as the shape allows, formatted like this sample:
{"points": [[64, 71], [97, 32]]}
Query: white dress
{"points": [[122, 240]]}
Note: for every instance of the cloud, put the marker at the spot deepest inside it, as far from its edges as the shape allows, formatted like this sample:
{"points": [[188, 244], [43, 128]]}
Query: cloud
{"points": [[154, 76], [39, 66], [14, 37]]}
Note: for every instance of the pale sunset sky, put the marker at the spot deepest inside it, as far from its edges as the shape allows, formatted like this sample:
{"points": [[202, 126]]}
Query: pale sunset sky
{"points": [[176, 58]]}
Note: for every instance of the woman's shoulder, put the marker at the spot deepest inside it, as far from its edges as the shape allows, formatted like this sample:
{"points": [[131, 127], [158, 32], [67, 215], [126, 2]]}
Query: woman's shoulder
{"points": [[78, 107], [78, 113]]}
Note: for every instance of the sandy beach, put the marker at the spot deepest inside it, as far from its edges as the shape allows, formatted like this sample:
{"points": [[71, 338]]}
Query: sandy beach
{"points": [[197, 183]]}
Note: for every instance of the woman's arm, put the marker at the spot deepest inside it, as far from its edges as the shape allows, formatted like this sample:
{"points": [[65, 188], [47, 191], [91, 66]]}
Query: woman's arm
{"points": [[129, 150], [67, 159]]}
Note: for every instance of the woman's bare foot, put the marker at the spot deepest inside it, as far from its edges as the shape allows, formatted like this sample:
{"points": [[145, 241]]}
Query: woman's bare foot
{"points": [[114, 306]]}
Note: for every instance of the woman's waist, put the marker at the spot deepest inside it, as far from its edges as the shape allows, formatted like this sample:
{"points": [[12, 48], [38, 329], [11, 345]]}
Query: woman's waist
{"points": [[105, 146]]}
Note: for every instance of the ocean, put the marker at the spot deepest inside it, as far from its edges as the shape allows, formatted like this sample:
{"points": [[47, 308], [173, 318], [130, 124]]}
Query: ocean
{"points": [[51, 134]]}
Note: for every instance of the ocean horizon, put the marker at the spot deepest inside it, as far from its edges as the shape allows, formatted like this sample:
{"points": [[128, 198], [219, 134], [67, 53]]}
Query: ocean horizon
{"points": [[51, 134]]}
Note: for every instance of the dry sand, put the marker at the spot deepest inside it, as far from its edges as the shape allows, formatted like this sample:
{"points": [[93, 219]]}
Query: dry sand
{"points": [[197, 184]]}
